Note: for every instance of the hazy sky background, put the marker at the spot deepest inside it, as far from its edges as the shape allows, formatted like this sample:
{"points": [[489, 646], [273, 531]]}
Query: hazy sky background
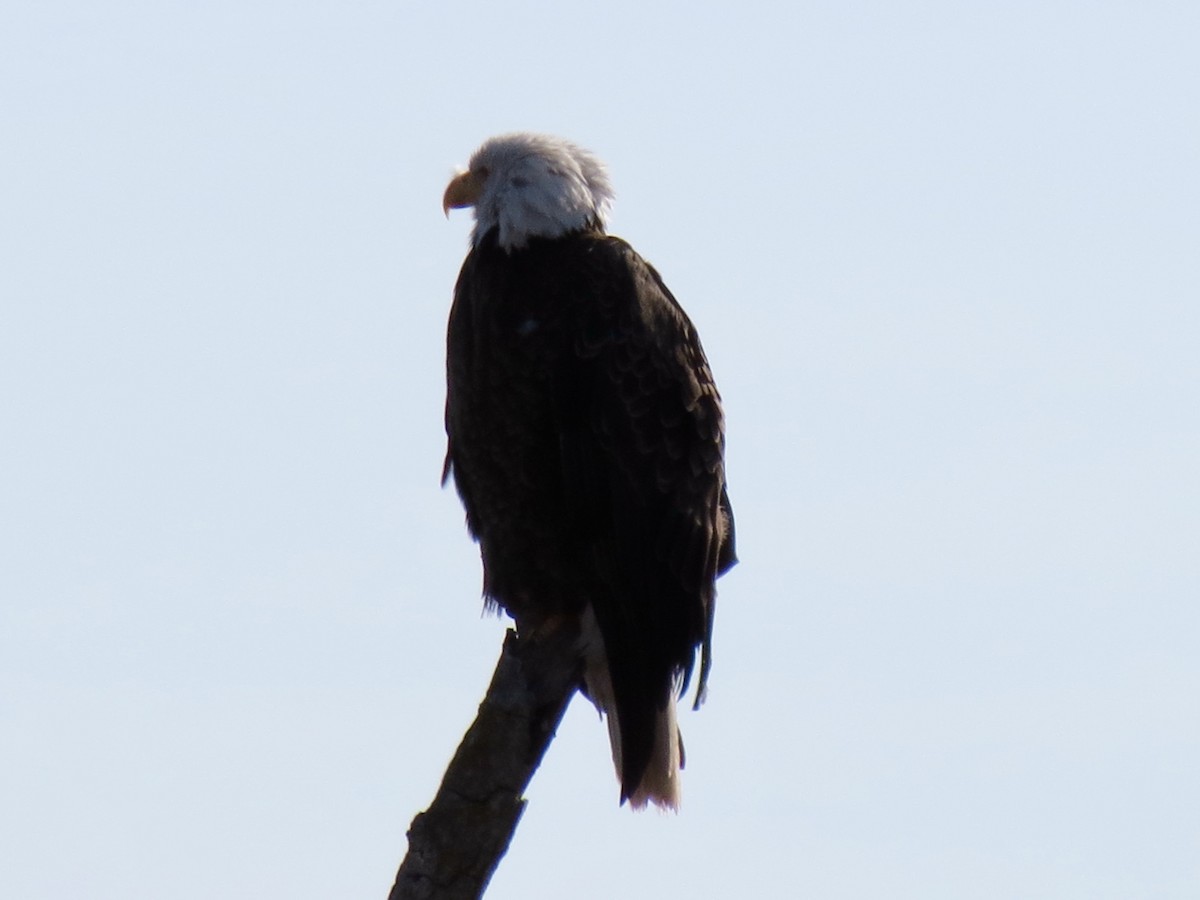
{"points": [[945, 259]]}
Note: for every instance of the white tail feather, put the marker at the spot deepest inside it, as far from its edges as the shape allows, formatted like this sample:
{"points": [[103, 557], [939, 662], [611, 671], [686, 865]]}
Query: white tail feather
{"points": [[660, 785]]}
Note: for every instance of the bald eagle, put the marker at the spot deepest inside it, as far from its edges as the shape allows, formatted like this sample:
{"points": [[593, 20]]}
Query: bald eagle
{"points": [[586, 440]]}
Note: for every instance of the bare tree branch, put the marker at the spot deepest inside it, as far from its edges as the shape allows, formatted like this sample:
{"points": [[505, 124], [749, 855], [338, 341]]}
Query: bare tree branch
{"points": [[456, 844]]}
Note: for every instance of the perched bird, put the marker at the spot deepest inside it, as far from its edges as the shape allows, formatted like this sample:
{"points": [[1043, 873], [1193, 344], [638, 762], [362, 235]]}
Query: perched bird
{"points": [[586, 441]]}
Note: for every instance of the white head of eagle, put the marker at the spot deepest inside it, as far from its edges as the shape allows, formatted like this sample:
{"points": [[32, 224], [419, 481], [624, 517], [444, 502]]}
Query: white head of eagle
{"points": [[531, 185], [586, 440]]}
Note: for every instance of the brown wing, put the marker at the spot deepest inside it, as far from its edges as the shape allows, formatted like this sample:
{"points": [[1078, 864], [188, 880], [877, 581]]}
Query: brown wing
{"points": [[643, 445]]}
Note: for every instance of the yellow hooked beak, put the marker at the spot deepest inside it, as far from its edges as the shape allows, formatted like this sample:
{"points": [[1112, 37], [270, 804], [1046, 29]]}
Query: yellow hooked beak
{"points": [[462, 191]]}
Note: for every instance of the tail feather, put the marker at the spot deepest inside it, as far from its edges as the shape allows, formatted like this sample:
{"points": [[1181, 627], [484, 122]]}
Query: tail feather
{"points": [[660, 782]]}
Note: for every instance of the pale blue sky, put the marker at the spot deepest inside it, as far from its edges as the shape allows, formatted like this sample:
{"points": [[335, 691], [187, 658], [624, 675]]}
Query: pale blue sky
{"points": [[945, 261]]}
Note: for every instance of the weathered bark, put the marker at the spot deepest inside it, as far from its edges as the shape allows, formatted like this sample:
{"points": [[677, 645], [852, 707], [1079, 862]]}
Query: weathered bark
{"points": [[456, 844]]}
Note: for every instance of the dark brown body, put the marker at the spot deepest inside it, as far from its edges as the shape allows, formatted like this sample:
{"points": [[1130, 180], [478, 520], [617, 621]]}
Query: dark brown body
{"points": [[586, 440]]}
